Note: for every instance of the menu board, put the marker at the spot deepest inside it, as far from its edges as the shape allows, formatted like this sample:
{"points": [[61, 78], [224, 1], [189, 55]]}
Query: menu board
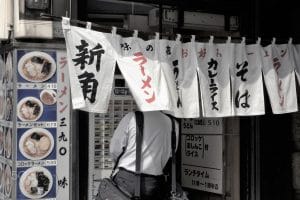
{"points": [[202, 154], [6, 127], [35, 126], [102, 127]]}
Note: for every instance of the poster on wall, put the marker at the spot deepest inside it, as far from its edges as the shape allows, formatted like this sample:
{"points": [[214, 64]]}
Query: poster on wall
{"points": [[42, 125], [202, 154], [6, 127]]}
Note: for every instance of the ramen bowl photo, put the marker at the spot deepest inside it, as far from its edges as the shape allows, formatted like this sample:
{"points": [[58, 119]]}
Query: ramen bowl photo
{"points": [[48, 97], [8, 143], [29, 109], [36, 182], [36, 143], [2, 138], [36, 66], [7, 180]]}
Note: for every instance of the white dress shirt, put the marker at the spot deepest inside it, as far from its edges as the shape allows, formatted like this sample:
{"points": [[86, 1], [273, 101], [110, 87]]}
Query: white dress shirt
{"points": [[156, 145]]}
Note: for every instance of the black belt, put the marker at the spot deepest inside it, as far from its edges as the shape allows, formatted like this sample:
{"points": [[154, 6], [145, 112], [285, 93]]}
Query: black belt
{"points": [[142, 174]]}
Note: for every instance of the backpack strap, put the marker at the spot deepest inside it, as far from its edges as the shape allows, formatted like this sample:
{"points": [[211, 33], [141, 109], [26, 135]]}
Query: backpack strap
{"points": [[139, 118]]}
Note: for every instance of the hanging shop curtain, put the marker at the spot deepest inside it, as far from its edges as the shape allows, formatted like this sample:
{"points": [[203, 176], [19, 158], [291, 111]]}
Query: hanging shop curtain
{"points": [[279, 78], [177, 61], [138, 62], [167, 75], [246, 78], [214, 61], [91, 61]]}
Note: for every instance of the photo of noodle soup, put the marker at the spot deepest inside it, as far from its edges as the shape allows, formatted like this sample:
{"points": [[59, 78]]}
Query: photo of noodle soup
{"points": [[2, 138], [36, 143], [29, 109], [36, 182], [2, 104], [48, 97], [36, 66], [8, 142], [7, 180]]}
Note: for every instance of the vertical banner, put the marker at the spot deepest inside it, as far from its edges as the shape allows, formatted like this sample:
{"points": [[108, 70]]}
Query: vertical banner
{"points": [[247, 85], [170, 60], [36, 123], [279, 76], [213, 68], [138, 62], [188, 86], [296, 59], [42, 125], [7, 151], [92, 60], [63, 137]]}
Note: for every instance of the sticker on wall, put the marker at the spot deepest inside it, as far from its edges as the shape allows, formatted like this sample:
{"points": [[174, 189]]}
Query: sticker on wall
{"points": [[36, 143], [36, 66], [36, 182]]}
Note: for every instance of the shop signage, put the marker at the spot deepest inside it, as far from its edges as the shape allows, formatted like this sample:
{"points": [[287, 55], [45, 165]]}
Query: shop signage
{"points": [[202, 154]]}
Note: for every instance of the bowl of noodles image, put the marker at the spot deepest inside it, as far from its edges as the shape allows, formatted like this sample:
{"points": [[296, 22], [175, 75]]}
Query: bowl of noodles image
{"points": [[29, 109], [8, 143], [36, 182], [48, 97], [36, 143], [7, 180], [2, 138], [36, 66], [2, 104]]}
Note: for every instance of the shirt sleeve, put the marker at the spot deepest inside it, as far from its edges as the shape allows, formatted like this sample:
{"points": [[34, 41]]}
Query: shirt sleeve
{"points": [[120, 137]]}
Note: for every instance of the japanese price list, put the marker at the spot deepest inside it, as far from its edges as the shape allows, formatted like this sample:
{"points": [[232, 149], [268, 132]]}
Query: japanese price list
{"points": [[102, 129], [202, 154], [6, 126], [42, 124]]}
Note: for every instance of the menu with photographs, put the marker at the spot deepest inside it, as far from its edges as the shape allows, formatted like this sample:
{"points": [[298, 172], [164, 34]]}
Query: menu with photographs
{"points": [[6, 126], [101, 129], [34, 124]]}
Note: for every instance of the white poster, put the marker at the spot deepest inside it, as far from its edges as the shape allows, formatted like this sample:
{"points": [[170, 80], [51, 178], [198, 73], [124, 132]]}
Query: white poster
{"points": [[138, 62], [92, 60], [279, 78], [202, 154], [246, 77], [213, 68]]}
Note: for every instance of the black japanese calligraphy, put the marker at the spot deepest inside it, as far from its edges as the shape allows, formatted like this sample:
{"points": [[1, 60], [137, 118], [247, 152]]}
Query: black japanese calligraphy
{"points": [[89, 85], [242, 70], [125, 46], [239, 97], [212, 73], [62, 137], [149, 47], [62, 182], [176, 73], [86, 54]]}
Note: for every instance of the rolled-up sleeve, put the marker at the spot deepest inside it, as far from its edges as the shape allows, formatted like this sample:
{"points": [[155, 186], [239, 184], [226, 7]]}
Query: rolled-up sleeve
{"points": [[120, 137]]}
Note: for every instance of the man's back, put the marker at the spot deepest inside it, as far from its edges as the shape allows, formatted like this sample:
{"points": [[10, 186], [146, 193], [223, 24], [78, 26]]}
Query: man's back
{"points": [[156, 146]]}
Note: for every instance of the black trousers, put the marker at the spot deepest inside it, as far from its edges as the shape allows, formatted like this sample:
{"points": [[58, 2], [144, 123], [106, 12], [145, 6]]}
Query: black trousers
{"points": [[152, 187]]}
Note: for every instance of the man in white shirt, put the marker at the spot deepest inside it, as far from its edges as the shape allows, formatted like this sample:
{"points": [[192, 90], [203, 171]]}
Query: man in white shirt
{"points": [[156, 151]]}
